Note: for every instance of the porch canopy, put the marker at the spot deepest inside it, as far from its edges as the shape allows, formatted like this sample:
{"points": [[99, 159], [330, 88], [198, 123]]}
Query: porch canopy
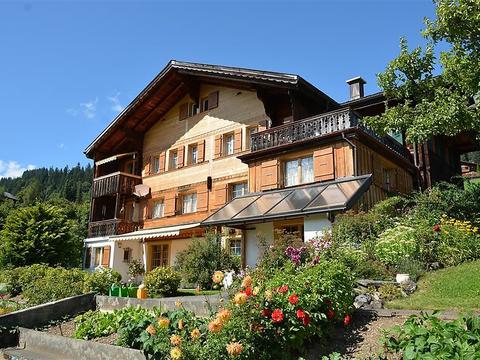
{"points": [[304, 200], [154, 233]]}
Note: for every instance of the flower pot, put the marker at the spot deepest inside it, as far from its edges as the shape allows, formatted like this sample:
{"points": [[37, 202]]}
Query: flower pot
{"points": [[123, 292], [402, 278], [132, 291], [142, 293], [114, 290]]}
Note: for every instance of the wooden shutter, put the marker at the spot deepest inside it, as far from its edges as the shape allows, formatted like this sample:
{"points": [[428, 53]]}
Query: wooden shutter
{"points": [[201, 151], [170, 204], [202, 198], [148, 162], [161, 161], [269, 175], [237, 147], [221, 194], [213, 100], [106, 256], [180, 156], [323, 164], [218, 146], [183, 111]]}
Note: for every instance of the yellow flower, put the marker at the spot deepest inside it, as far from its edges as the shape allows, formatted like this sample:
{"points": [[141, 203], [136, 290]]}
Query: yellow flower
{"points": [[195, 334], [256, 290], [247, 281], [217, 277], [175, 340], [163, 322], [215, 326], [176, 353], [224, 315], [181, 324], [240, 298], [268, 294], [234, 349], [178, 304]]}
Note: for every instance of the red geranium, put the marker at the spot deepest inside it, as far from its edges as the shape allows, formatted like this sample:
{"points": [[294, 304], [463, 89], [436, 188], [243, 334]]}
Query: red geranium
{"points": [[248, 291], [277, 315], [283, 289], [300, 314], [330, 314], [293, 299], [346, 320], [266, 312], [306, 320], [436, 228]]}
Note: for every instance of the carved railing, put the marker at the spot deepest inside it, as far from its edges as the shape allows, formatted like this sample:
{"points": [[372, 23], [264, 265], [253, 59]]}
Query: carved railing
{"points": [[111, 227], [317, 126], [118, 182]]}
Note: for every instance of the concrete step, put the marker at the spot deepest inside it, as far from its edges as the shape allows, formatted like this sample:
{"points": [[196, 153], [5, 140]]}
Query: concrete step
{"points": [[24, 354]]}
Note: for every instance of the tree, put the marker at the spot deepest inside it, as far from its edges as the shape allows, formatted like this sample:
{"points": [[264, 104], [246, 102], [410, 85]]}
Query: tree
{"points": [[40, 233], [425, 104]]}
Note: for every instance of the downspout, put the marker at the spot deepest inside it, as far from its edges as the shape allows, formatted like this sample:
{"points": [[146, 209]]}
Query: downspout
{"points": [[354, 147]]}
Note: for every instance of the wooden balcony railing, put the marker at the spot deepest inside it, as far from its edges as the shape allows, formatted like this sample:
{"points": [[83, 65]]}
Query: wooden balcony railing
{"points": [[317, 126], [111, 227], [115, 183]]}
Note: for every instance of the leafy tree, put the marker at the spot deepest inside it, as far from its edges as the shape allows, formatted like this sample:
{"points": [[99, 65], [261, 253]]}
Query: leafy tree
{"points": [[422, 104], [41, 233]]}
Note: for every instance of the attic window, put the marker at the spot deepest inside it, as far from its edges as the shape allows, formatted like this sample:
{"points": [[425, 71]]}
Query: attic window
{"points": [[209, 102]]}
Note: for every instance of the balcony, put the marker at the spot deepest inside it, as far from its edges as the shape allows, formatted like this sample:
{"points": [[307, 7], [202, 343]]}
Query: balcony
{"points": [[116, 183], [317, 126], [111, 227]]}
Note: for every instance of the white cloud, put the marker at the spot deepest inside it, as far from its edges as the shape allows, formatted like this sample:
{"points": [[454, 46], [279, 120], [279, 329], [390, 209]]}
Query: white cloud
{"points": [[13, 169], [89, 108], [116, 105]]}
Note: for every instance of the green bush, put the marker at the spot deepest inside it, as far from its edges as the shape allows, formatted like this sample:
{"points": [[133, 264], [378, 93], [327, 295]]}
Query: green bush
{"points": [[396, 244], [162, 281], [414, 268], [392, 207], [11, 277], [101, 280]]}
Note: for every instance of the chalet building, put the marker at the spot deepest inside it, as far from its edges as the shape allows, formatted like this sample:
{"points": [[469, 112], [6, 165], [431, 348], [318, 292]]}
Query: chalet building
{"points": [[246, 152]]}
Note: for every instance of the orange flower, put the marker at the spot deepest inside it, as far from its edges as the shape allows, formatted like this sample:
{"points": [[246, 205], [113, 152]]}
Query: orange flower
{"points": [[163, 322], [151, 329], [217, 277], [195, 334], [240, 298], [181, 324], [234, 349], [224, 315], [215, 326], [247, 281], [175, 340]]}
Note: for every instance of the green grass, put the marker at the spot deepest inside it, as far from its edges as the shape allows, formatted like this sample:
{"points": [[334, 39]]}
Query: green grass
{"points": [[192, 292], [456, 288]]}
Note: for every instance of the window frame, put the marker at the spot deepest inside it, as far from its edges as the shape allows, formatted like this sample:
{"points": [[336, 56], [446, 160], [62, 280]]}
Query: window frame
{"points": [[164, 255], [299, 178], [193, 197], [128, 251], [237, 246], [162, 214], [225, 144], [232, 189], [191, 149], [173, 165], [156, 164]]}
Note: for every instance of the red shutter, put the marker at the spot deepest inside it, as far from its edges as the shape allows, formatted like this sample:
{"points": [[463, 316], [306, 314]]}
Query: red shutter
{"points": [[202, 198], [162, 161], [218, 146], [221, 194], [170, 204], [323, 164], [201, 151], [213, 100], [183, 111], [180, 156], [106, 256], [237, 147], [269, 175]]}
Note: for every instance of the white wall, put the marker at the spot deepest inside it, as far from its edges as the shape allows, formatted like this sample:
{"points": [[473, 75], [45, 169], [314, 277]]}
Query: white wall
{"points": [[252, 247], [178, 245], [315, 225], [117, 262]]}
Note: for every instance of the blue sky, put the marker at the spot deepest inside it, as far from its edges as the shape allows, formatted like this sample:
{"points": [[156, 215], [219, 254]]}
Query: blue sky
{"points": [[67, 68]]}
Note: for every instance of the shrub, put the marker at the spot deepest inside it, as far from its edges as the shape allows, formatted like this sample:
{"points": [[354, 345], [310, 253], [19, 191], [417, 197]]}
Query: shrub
{"points": [[162, 281], [396, 244], [135, 268], [356, 228], [389, 292], [11, 277], [392, 207], [101, 280], [412, 267], [202, 258]]}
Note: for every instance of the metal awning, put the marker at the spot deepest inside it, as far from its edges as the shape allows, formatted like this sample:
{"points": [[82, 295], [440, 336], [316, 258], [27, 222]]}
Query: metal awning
{"points": [[115, 157], [298, 201], [153, 233]]}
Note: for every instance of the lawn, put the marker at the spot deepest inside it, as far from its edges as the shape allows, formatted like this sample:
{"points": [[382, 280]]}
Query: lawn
{"points": [[456, 288]]}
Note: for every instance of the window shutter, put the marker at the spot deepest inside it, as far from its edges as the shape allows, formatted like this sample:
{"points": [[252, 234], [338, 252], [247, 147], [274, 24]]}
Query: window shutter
{"points": [[202, 198], [218, 146], [170, 204], [162, 161], [213, 100], [148, 162], [106, 256], [238, 141], [183, 111], [269, 175], [221, 194], [323, 164], [180, 156], [201, 151]]}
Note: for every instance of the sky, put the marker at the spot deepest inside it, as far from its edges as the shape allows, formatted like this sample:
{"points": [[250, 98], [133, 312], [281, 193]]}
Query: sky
{"points": [[68, 68]]}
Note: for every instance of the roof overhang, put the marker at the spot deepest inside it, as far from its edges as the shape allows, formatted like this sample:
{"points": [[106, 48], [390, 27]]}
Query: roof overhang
{"points": [[116, 157], [170, 231], [294, 202]]}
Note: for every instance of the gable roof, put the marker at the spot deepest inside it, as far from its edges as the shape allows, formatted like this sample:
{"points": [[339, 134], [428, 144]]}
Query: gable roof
{"points": [[174, 82]]}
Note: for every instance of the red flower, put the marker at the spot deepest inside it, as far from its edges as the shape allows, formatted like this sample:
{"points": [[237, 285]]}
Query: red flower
{"points": [[248, 291], [277, 315], [436, 228], [346, 320], [300, 314], [293, 299], [330, 314], [266, 312], [306, 320], [283, 289]]}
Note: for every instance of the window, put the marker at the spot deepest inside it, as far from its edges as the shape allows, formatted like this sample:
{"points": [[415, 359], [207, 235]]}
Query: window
{"points": [[130, 167], [299, 171], [250, 132], [88, 257], [157, 209], [193, 154], [159, 255], [236, 247], [229, 141], [239, 190], [173, 160], [205, 104], [127, 255], [97, 256], [156, 164], [189, 203]]}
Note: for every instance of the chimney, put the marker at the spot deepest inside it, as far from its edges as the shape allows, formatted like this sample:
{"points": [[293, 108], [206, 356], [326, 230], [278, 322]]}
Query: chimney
{"points": [[356, 87]]}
